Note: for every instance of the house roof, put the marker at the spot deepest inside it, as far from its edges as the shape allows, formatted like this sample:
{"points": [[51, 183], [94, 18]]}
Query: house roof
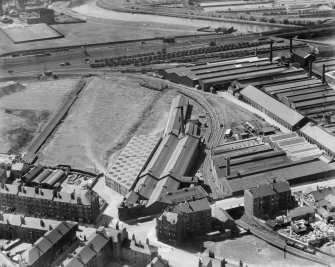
{"points": [[272, 105], [192, 206], [44, 243], [300, 211], [262, 191]]}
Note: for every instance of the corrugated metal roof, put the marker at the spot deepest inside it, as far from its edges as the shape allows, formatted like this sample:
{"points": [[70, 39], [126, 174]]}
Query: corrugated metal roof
{"points": [[321, 136], [272, 105]]}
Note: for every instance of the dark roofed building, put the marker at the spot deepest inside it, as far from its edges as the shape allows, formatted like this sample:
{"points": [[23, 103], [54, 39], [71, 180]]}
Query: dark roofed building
{"points": [[46, 249], [306, 212], [268, 200]]}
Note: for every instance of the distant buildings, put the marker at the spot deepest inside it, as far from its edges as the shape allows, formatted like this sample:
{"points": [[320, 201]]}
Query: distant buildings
{"points": [[46, 16], [268, 200]]}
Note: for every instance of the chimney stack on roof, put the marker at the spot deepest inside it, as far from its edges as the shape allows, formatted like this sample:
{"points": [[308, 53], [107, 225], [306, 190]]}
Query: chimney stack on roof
{"points": [[227, 167], [323, 74], [271, 52]]}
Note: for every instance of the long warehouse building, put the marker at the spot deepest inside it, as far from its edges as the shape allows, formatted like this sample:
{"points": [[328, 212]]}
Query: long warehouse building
{"points": [[278, 111]]}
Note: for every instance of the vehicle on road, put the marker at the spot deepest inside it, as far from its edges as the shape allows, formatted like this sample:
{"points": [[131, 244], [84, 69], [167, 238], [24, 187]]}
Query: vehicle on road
{"points": [[65, 64]]}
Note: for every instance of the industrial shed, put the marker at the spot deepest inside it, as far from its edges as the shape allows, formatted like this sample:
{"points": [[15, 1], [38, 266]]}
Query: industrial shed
{"points": [[273, 108], [123, 174], [316, 135], [295, 173]]}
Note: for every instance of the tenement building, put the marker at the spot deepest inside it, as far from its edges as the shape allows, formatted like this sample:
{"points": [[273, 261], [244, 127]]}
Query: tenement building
{"points": [[183, 220], [268, 200], [47, 248]]}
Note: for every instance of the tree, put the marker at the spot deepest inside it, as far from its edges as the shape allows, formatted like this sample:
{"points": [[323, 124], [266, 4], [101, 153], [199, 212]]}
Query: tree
{"points": [[241, 263], [272, 20]]}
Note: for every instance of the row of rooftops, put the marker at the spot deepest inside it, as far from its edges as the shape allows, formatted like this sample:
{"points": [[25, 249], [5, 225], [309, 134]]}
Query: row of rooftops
{"points": [[188, 207], [270, 189], [27, 222], [80, 197], [91, 247], [46, 242]]}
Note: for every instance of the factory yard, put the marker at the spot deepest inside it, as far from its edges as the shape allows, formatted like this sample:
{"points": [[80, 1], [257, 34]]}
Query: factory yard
{"points": [[109, 111], [25, 108]]}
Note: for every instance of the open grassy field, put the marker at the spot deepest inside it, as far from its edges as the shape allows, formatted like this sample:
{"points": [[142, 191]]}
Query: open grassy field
{"points": [[23, 112], [107, 114]]}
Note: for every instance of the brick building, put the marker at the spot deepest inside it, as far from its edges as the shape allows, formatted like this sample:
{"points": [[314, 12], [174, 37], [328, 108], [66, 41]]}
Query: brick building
{"points": [[47, 248], [28, 229], [183, 220], [101, 247], [170, 228], [82, 206], [268, 200]]}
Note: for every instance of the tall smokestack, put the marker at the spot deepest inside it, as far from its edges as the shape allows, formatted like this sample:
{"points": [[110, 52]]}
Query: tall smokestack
{"points": [[291, 44], [271, 52], [1, 10], [228, 167], [310, 67], [182, 120], [323, 74]]}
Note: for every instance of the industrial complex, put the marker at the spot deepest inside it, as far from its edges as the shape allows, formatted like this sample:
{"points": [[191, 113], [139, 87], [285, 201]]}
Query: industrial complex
{"points": [[168, 142]]}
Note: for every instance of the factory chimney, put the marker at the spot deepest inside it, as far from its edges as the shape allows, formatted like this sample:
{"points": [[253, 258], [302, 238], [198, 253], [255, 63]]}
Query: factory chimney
{"points": [[1, 10], [291, 45], [323, 74], [310, 67], [271, 52], [227, 167], [182, 119]]}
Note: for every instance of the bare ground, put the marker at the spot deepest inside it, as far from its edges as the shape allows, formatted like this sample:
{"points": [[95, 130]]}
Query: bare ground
{"points": [[101, 122], [24, 112]]}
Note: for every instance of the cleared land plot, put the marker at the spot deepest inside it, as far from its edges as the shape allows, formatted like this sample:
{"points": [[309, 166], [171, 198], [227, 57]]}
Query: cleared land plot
{"points": [[23, 113], [255, 252], [108, 112], [31, 33]]}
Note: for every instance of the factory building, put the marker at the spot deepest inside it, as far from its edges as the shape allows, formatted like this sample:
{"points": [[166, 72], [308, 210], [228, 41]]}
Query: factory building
{"points": [[269, 200], [123, 174], [276, 110], [221, 74], [244, 164], [47, 248], [318, 136]]}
